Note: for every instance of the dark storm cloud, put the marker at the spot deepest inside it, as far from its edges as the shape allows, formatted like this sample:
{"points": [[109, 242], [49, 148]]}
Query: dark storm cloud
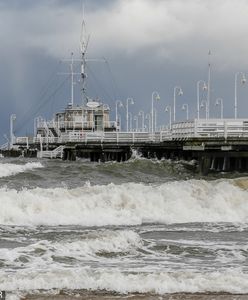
{"points": [[151, 45]]}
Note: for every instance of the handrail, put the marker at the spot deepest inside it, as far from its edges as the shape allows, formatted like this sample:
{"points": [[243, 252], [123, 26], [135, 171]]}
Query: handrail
{"points": [[4, 146]]}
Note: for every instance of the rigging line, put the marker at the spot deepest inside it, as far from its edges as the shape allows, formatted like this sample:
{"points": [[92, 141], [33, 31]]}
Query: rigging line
{"points": [[42, 93], [100, 85], [43, 104], [117, 90]]}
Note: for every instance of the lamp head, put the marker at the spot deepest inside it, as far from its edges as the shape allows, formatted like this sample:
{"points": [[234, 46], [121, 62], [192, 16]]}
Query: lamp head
{"points": [[243, 80], [180, 93], [204, 87]]}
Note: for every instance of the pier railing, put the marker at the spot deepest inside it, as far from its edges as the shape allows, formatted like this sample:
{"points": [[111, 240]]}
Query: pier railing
{"points": [[217, 128], [212, 128]]}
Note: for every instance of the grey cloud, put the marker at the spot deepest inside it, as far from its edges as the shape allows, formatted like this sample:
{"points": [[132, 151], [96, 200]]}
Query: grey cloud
{"points": [[152, 45]]}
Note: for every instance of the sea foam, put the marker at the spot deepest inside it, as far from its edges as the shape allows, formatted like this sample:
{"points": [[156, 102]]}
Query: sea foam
{"points": [[126, 204], [7, 169], [233, 281]]}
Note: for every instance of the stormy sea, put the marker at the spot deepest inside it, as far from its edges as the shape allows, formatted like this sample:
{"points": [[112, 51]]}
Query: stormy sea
{"points": [[140, 229]]}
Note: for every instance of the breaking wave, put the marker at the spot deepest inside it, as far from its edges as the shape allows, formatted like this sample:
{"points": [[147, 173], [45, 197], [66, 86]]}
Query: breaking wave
{"points": [[233, 281], [7, 169], [127, 204]]}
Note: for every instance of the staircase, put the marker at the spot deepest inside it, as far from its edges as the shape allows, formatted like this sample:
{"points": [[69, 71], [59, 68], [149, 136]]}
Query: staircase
{"points": [[56, 153], [4, 146]]}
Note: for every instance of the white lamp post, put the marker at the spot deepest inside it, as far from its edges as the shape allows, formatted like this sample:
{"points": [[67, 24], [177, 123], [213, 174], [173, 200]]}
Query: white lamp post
{"points": [[243, 80], [118, 103], [155, 119], [12, 119], [204, 88], [204, 104], [148, 117], [127, 116], [177, 92], [186, 107], [130, 121], [136, 120], [119, 119], [219, 101], [142, 114], [168, 109], [157, 98]]}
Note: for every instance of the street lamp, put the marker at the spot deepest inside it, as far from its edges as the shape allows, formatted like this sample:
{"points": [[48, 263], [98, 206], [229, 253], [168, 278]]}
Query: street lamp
{"points": [[155, 119], [243, 80], [185, 106], [177, 92], [148, 117], [157, 98], [12, 119], [136, 119], [168, 109], [119, 119], [204, 103], [204, 88], [131, 102], [120, 104], [142, 114], [130, 121], [217, 102]]}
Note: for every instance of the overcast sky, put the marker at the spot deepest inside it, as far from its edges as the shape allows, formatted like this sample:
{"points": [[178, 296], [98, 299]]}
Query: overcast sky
{"points": [[149, 44]]}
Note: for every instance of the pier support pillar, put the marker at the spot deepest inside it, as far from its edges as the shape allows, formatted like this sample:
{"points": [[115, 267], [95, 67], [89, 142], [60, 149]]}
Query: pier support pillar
{"points": [[204, 165]]}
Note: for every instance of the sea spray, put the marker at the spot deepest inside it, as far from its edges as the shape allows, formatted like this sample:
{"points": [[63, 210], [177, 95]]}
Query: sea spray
{"points": [[7, 169]]}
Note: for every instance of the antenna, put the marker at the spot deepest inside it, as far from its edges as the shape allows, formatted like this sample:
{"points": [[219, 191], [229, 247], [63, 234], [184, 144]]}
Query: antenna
{"points": [[84, 41], [209, 83], [72, 74]]}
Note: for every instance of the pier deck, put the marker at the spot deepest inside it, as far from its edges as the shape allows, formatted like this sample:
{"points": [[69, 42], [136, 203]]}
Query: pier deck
{"points": [[218, 145]]}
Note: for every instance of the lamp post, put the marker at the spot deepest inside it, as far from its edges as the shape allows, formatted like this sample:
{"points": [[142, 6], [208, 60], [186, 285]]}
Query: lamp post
{"points": [[217, 102], [157, 98], [204, 88], [204, 103], [12, 119], [186, 107], [155, 119], [168, 109], [131, 102], [117, 103], [243, 80], [142, 114], [119, 119], [148, 117], [177, 92], [136, 119], [130, 121]]}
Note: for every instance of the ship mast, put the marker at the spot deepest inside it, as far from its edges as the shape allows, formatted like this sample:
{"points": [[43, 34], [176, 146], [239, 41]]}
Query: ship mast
{"points": [[84, 41]]}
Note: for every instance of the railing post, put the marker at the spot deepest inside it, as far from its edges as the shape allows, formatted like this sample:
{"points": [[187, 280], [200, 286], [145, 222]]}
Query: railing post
{"points": [[117, 137], [133, 137]]}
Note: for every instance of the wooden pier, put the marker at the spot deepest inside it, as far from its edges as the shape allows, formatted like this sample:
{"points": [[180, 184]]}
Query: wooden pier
{"points": [[215, 144]]}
